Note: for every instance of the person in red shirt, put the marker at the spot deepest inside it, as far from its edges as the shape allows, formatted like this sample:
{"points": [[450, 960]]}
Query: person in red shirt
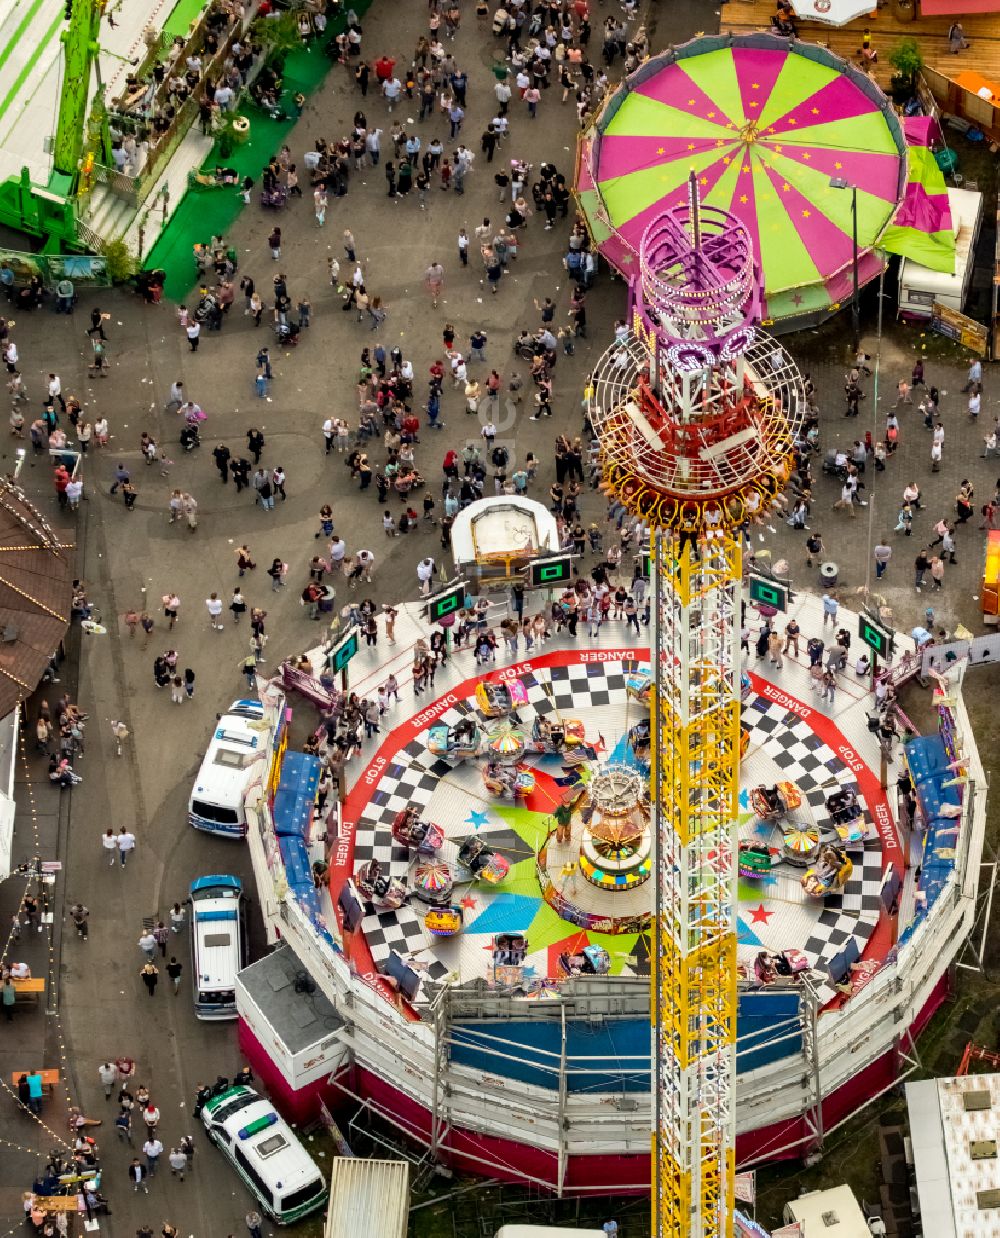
{"points": [[60, 479], [384, 67]]}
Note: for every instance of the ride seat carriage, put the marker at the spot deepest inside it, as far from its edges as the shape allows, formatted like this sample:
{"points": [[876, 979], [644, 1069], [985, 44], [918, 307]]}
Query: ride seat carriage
{"points": [[508, 781], [509, 952], [482, 861], [590, 961], [773, 803], [458, 741], [385, 893], [829, 874], [498, 698], [444, 921], [421, 836]]}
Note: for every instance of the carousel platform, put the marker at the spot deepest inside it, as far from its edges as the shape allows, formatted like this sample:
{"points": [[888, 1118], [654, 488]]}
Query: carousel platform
{"points": [[550, 895]]}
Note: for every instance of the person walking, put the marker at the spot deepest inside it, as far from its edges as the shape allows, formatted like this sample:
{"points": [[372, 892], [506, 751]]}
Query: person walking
{"points": [[920, 565], [882, 555], [108, 1074], [829, 686], [174, 970], [137, 1176], [150, 978], [253, 1223], [153, 1150], [425, 574], [213, 604], [126, 844], [178, 1160], [434, 277]]}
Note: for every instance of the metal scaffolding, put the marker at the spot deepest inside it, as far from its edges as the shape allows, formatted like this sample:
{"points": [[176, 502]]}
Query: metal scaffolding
{"points": [[696, 415]]}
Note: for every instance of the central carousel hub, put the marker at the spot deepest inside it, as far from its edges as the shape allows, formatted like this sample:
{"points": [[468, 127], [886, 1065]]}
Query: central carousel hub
{"points": [[616, 843]]}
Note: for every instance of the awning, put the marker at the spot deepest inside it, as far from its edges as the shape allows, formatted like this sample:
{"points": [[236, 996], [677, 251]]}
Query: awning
{"points": [[957, 8]]}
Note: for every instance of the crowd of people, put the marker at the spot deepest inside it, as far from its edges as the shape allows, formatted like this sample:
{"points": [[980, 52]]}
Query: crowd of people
{"points": [[422, 437]]}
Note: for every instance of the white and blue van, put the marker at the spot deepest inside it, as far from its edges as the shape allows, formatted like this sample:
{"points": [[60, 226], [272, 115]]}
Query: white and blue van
{"points": [[218, 944], [240, 741]]}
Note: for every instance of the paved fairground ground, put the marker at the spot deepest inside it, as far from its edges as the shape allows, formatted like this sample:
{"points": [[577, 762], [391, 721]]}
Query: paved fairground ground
{"points": [[98, 1009]]}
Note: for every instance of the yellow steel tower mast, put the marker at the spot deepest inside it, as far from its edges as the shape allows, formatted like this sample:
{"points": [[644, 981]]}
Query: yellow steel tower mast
{"points": [[696, 413]]}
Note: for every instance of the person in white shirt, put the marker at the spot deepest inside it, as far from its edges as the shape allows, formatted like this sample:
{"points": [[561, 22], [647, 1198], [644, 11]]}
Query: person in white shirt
{"points": [[365, 565], [126, 844], [373, 145], [391, 89], [110, 845], [975, 402], [213, 605], [425, 574]]}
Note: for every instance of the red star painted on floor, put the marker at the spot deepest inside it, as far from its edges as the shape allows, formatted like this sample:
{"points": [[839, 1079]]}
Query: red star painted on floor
{"points": [[469, 903], [759, 915]]}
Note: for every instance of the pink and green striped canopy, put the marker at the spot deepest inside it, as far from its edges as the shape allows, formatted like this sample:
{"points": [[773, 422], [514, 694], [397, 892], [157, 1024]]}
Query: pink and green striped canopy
{"points": [[765, 124]]}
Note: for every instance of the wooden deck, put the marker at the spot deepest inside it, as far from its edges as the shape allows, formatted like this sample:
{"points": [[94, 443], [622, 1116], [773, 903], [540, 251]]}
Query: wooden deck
{"points": [[931, 33]]}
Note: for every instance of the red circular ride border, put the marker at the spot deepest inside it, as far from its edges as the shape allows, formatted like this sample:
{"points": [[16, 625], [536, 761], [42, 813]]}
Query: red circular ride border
{"points": [[359, 796]]}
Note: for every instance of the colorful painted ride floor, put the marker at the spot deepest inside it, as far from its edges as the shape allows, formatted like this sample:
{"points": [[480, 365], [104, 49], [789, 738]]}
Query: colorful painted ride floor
{"points": [[789, 741]]}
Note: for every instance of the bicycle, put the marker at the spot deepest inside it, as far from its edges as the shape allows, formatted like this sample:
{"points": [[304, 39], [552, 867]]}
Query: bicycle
{"points": [[120, 732]]}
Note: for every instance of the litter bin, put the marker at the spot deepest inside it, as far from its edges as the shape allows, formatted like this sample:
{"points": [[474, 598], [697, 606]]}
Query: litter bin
{"points": [[828, 574], [241, 129]]}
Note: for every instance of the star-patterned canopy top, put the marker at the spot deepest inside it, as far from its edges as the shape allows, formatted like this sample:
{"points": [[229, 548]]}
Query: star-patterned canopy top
{"points": [[765, 125]]}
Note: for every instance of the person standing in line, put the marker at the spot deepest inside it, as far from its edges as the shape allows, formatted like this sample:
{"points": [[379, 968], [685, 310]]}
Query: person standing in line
{"points": [[174, 970], [150, 978], [126, 844]]}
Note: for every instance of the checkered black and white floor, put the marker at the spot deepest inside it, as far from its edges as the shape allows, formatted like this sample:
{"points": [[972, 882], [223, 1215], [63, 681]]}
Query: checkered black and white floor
{"points": [[773, 912]]}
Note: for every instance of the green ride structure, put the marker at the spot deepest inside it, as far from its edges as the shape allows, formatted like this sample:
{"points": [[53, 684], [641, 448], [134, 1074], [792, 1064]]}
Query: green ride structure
{"points": [[51, 212]]}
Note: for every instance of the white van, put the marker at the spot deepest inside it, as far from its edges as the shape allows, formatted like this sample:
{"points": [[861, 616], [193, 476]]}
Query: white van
{"points": [[238, 744], [218, 944], [920, 287], [266, 1153]]}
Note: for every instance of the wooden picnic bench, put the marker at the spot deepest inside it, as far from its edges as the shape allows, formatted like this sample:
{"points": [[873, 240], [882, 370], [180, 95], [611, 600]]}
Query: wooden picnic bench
{"points": [[28, 990], [50, 1078]]}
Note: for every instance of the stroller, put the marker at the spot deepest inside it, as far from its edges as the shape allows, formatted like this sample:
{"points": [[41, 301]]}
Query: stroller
{"points": [[206, 306], [287, 333], [190, 438], [274, 198], [830, 464]]}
